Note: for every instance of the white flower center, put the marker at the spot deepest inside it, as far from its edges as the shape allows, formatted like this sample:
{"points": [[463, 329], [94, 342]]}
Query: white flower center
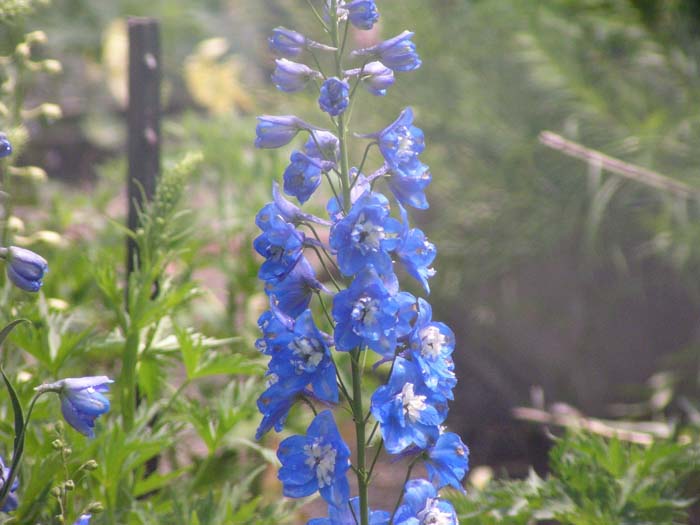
{"points": [[432, 515], [432, 342], [321, 458], [367, 235], [413, 404], [365, 310], [272, 379], [310, 351]]}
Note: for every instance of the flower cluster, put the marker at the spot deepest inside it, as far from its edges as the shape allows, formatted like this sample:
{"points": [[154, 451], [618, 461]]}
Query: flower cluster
{"points": [[369, 243]]}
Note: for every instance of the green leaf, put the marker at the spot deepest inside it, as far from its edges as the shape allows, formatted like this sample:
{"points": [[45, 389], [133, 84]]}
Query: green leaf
{"points": [[9, 327]]}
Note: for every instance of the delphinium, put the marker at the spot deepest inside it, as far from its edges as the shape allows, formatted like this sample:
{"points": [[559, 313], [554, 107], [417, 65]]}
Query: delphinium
{"points": [[373, 320]]}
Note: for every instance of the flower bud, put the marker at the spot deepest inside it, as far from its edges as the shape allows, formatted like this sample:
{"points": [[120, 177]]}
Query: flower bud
{"points": [[96, 507], [5, 146], [57, 444], [51, 66], [38, 37], [90, 465], [56, 492], [25, 268], [69, 485]]}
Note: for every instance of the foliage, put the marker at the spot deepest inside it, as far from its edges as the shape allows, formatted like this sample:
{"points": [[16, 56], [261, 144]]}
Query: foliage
{"points": [[593, 480]]}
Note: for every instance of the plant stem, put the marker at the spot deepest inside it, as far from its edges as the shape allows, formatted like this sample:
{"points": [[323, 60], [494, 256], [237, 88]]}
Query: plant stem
{"points": [[128, 393]]}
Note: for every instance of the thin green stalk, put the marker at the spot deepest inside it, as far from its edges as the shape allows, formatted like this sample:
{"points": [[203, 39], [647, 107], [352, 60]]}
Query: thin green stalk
{"points": [[128, 386], [19, 449]]}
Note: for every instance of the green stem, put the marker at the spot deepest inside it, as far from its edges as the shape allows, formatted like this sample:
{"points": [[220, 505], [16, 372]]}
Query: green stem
{"points": [[357, 412], [128, 386]]}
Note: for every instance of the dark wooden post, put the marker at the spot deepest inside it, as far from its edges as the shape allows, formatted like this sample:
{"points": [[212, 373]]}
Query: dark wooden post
{"points": [[143, 116]]}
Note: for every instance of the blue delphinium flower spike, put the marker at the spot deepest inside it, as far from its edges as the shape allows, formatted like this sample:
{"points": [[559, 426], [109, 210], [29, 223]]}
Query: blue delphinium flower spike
{"points": [[276, 401], [5, 146], [11, 503], [317, 461], [274, 131], [398, 53], [334, 96], [447, 461], [291, 76], [82, 400], [84, 519], [408, 182], [362, 14], [25, 268], [347, 515], [401, 142], [302, 176], [375, 77], [409, 413], [421, 505]]}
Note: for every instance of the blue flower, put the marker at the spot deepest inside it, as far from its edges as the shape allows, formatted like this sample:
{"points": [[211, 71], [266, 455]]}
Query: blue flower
{"points": [[416, 253], [327, 142], [366, 235], [82, 400], [293, 291], [25, 268], [11, 503], [401, 142], [347, 515], [366, 313], [280, 243], [275, 131], [317, 461], [335, 96], [422, 506], [84, 519], [398, 53], [447, 461], [431, 346], [287, 43], [409, 413], [302, 176], [290, 212], [5, 146], [277, 400], [302, 351], [408, 183], [291, 76], [375, 77], [362, 14]]}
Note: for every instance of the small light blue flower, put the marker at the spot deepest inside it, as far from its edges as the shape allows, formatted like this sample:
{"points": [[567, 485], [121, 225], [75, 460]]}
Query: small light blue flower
{"points": [[317, 461], [84, 519], [416, 253], [293, 292], [334, 96], [323, 145], [280, 243], [375, 77], [286, 42], [302, 176], [25, 268], [362, 14], [291, 76], [397, 53], [82, 400], [275, 131]]}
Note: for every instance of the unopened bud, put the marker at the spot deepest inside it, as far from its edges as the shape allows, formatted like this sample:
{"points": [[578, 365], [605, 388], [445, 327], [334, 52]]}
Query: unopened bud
{"points": [[35, 36], [29, 172], [51, 111], [22, 50], [51, 66], [57, 444], [56, 492], [90, 465], [95, 507], [67, 451], [69, 484], [58, 426]]}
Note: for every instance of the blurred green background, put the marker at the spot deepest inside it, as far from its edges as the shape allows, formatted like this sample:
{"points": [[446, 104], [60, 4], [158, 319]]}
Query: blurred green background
{"points": [[558, 277]]}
